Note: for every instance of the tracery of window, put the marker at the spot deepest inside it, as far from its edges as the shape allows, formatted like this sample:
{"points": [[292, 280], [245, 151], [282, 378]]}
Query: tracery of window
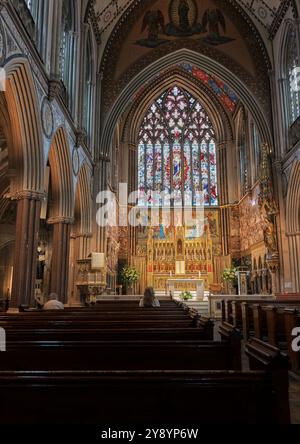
{"points": [[177, 153], [64, 49], [292, 72], [243, 158], [32, 5], [88, 89], [256, 146]]}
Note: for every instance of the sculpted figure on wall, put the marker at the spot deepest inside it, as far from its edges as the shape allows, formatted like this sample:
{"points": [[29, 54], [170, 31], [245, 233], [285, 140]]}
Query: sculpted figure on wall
{"points": [[270, 236]]}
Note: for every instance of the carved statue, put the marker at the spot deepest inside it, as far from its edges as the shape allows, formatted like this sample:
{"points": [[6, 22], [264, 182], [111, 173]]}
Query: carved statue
{"points": [[266, 197], [213, 18], [270, 236]]}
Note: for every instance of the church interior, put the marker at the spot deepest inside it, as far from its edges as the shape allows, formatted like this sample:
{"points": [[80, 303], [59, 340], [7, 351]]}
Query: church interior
{"points": [[150, 147]]}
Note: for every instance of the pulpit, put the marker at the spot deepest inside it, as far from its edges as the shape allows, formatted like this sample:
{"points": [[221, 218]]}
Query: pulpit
{"points": [[91, 280]]}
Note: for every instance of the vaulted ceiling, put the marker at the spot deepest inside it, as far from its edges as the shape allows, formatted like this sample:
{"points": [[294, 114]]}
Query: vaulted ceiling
{"points": [[266, 14]]}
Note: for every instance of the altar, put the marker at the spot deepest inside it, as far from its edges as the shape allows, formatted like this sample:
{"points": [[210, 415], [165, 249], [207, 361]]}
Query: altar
{"points": [[184, 284]]}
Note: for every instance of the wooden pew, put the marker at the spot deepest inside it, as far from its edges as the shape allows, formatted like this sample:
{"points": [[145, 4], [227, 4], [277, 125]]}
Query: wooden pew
{"points": [[232, 335], [274, 324], [65, 369], [113, 355], [292, 320], [151, 333], [232, 308], [264, 356], [254, 319], [151, 397]]}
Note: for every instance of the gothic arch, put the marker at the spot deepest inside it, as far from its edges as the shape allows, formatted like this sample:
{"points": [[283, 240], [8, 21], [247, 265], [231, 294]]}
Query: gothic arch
{"points": [[62, 176], [26, 155], [293, 224], [6, 152], [203, 62], [83, 202], [220, 119], [293, 201]]}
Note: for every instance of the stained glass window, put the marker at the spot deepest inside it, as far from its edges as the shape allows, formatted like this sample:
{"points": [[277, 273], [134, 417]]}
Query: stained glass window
{"points": [[293, 75], [177, 153], [32, 6]]}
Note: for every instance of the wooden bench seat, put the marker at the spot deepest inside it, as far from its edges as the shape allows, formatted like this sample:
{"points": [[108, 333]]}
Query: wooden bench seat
{"points": [[157, 355], [147, 397], [151, 333]]}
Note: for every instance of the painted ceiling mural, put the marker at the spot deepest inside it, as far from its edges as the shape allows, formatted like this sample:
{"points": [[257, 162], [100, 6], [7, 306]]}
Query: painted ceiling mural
{"points": [[184, 20], [150, 29], [162, 25], [107, 12]]}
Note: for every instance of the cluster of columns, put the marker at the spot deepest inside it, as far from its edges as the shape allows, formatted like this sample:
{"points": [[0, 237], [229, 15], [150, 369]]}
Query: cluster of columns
{"points": [[60, 256], [25, 255]]}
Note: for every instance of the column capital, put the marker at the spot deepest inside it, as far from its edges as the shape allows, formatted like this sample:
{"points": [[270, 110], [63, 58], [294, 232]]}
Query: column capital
{"points": [[104, 158], [223, 144], [26, 194], [60, 220], [55, 87], [82, 235], [132, 146]]}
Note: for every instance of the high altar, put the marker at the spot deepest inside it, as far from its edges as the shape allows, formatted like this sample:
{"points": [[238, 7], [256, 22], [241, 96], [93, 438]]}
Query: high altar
{"points": [[179, 258]]}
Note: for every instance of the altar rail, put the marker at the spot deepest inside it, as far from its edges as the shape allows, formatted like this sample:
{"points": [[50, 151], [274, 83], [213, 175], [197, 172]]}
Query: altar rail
{"points": [[215, 305]]}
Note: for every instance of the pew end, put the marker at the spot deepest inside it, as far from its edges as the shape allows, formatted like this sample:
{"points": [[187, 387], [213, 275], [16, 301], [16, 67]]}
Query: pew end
{"points": [[263, 356], [233, 336]]}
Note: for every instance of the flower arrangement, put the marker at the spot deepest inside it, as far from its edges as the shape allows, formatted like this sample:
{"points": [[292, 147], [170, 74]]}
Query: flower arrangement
{"points": [[186, 295], [230, 275], [130, 275]]}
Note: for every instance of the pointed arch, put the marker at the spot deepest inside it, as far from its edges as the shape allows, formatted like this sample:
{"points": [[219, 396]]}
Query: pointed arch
{"points": [[293, 224], [293, 201], [83, 201], [62, 176], [220, 119], [203, 62], [27, 158]]}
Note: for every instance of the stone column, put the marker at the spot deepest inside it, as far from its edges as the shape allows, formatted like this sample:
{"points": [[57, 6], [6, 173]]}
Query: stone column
{"points": [[60, 257], [223, 195], [132, 186], [25, 255], [273, 265]]}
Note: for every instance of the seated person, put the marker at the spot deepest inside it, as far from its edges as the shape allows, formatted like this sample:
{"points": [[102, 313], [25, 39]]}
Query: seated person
{"points": [[149, 299], [53, 303]]}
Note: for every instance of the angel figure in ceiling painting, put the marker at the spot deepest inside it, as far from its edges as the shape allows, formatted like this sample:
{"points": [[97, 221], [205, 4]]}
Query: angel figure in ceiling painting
{"points": [[213, 21], [154, 23]]}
